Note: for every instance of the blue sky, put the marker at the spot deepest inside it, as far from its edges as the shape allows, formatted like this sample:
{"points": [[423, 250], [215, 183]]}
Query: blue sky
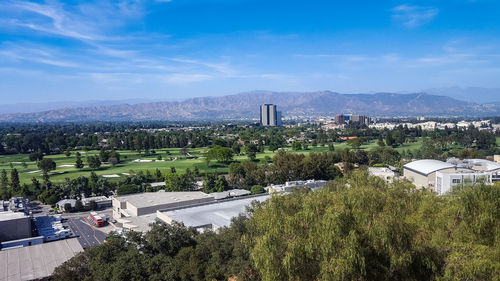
{"points": [[108, 50]]}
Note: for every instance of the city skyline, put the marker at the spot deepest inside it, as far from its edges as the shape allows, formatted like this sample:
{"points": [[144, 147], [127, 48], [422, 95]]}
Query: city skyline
{"points": [[170, 50]]}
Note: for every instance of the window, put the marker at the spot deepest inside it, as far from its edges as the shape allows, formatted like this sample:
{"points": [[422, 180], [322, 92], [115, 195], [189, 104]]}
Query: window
{"points": [[455, 180]]}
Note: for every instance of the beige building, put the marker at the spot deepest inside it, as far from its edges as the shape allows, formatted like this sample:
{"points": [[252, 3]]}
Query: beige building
{"points": [[149, 202], [422, 173], [496, 158], [137, 211], [382, 172]]}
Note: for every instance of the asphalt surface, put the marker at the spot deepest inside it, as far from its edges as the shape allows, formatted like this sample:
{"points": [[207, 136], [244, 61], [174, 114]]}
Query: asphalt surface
{"points": [[87, 234]]}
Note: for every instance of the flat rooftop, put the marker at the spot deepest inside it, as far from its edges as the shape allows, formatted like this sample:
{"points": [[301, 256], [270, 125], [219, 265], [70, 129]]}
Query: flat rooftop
{"points": [[147, 199], [5, 216], [38, 261], [139, 223], [216, 214]]}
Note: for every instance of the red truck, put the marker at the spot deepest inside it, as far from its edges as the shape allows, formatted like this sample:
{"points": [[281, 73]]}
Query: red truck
{"points": [[97, 219]]}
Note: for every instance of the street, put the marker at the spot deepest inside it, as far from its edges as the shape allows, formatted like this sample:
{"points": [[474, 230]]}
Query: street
{"points": [[87, 234]]}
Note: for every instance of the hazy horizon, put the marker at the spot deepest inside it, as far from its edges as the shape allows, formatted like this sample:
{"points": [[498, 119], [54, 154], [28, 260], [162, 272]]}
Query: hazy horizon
{"points": [[175, 49]]}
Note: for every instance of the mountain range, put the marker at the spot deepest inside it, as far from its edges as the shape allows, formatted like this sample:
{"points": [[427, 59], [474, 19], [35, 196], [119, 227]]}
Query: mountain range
{"points": [[246, 105]]}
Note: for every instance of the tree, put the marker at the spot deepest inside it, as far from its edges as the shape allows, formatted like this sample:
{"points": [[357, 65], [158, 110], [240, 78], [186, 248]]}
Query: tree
{"points": [[127, 189], [389, 141], [209, 183], [173, 182], [67, 153], [93, 205], [67, 207], [329, 238], [251, 156], [46, 165], [158, 175], [184, 151], [331, 147], [79, 206], [4, 183], [399, 137], [94, 162], [14, 181], [104, 155], [257, 189], [222, 154], [236, 148], [79, 162], [355, 143], [4, 180], [297, 146], [36, 156], [380, 141], [36, 185], [221, 184], [114, 158], [485, 140]]}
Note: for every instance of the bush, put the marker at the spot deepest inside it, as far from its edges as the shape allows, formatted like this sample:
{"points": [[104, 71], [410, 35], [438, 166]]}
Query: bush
{"points": [[128, 189], [257, 189]]}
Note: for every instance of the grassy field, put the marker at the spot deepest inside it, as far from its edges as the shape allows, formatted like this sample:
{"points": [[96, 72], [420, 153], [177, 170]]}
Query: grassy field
{"points": [[28, 170]]}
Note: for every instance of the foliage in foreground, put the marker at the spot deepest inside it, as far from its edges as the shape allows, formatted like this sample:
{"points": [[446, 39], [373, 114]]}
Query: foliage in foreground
{"points": [[356, 229]]}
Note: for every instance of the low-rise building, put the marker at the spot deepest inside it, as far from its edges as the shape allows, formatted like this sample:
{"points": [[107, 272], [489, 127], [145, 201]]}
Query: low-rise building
{"points": [[230, 193], [496, 158], [36, 262], [481, 165], [422, 173], [101, 201], [445, 182], [382, 172], [426, 173], [137, 211], [51, 228], [210, 216], [290, 185], [14, 226], [61, 205]]}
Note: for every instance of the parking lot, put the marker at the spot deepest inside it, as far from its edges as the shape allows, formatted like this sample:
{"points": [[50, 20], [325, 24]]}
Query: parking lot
{"points": [[87, 234]]}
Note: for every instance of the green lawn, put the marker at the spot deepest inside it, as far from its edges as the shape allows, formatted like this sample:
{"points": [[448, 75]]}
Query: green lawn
{"points": [[128, 165]]}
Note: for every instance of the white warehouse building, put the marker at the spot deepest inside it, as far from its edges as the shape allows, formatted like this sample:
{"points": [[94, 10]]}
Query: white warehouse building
{"points": [[446, 181], [441, 176]]}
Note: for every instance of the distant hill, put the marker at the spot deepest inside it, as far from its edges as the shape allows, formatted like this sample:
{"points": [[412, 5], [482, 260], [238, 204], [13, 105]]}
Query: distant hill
{"points": [[245, 105], [45, 106], [470, 94]]}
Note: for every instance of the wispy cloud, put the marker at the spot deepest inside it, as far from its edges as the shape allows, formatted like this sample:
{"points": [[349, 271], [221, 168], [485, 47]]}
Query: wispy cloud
{"points": [[38, 54], [414, 16], [182, 78], [86, 22]]}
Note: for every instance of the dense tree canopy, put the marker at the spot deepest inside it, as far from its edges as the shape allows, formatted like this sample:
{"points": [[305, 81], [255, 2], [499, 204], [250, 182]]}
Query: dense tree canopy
{"points": [[359, 228]]}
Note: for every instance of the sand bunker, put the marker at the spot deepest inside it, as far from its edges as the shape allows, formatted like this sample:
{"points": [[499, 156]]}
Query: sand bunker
{"points": [[142, 161], [111, 176], [66, 166]]}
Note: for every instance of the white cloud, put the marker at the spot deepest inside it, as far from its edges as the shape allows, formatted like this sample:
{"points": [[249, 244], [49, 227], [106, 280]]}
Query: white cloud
{"points": [[88, 21], [182, 78], [414, 16], [14, 52]]}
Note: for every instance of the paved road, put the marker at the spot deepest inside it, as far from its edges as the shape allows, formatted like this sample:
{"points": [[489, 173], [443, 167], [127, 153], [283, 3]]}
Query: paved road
{"points": [[108, 212], [87, 234]]}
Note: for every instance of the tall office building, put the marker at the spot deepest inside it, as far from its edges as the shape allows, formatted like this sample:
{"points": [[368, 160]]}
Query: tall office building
{"points": [[269, 116], [339, 119]]}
